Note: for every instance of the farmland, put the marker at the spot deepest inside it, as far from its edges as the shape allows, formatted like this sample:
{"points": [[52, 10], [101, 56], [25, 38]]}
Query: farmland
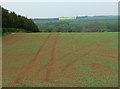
{"points": [[80, 24], [60, 59]]}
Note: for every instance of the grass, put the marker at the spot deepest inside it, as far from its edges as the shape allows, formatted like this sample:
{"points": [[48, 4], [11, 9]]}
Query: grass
{"points": [[80, 59]]}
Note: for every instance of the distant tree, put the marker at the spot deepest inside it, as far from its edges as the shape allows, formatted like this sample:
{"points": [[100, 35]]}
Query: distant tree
{"points": [[12, 20]]}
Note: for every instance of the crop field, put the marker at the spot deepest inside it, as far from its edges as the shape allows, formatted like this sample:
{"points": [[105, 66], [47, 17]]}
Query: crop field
{"points": [[60, 60]]}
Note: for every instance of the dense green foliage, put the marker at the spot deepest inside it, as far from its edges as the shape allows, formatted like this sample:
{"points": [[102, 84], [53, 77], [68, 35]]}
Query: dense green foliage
{"points": [[12, 20], [88, 24], [7, 31]]}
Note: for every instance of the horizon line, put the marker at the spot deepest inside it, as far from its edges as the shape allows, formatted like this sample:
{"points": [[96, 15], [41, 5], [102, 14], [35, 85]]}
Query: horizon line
{"points": [[69, 16]]}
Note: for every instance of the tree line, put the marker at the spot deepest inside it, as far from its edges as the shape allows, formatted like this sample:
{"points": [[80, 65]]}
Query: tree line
{"points": [[77, 26], [11, 20]]}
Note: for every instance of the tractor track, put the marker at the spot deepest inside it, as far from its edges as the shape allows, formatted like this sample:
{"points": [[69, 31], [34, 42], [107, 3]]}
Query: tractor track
{"points": [[27, 69], [51, 62]]}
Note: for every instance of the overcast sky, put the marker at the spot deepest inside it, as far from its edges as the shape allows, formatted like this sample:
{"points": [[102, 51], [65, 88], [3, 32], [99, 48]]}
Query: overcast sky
{"points": [[59, 0], [60, 9]]}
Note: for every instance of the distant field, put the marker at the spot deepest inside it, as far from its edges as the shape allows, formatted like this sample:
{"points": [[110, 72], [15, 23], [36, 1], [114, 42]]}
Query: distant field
{"points": [[88, 24], [82, 21], [60, 60]]}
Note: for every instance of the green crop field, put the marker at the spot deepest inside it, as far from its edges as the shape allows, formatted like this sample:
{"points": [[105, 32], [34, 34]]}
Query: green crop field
{"points": [[60, 60]]}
